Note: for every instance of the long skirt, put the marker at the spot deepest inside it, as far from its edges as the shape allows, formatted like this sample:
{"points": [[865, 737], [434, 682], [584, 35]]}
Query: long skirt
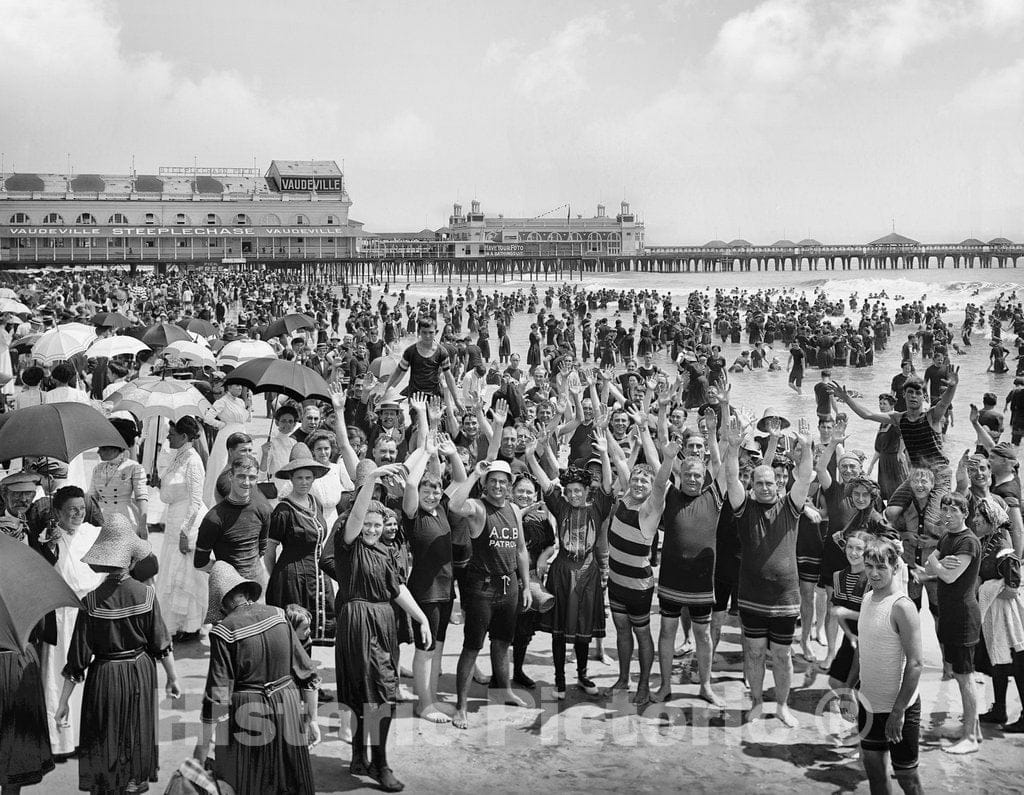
{"points": [[366, 655], [268, 750], [578, 612], [891, 473], [25, 755], [117, 744]]}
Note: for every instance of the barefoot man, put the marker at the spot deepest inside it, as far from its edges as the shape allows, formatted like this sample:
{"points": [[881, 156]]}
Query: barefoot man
{"points": [[687, 575], [498, 578], [634, 522], [769, 584]]}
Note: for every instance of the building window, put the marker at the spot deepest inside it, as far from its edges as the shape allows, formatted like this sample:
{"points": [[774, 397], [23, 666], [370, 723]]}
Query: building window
{"points": [[181, 219], [53, 218], [242, 220], [270, 219], [301, 220], [149, 243], [212, 219], [118, 219], [332, 220], [183, 244], [150, 219], [86, 219], [19, 218]]}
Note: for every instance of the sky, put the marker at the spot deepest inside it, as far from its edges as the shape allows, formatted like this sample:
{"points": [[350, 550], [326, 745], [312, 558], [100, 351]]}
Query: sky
{"points": [[833, 119]]}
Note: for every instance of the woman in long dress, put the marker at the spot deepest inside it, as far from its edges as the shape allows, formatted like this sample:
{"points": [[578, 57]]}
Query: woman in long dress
{"points": [[366, 648], [64, 545], [25, 755], [181, 587], [117, 638], [230, 414], [257, 668], [297, 526], [329, 489]]}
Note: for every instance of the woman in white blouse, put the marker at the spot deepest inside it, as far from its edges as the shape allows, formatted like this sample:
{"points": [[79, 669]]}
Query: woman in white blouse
{"points": [[230, 414]]}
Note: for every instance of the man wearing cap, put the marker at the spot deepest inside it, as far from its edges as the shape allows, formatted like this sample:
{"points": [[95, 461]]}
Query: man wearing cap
{"points": [[18, 491], [498, 578], [319, 363]]}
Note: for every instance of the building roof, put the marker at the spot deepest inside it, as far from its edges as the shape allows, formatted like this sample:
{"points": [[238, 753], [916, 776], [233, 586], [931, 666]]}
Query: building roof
{"points": [[305, 168], [88, 183], [1000, 241], [784, 243], [809, 241], [716, 244], [740, 243], [971, 241], [147, 183], [203, 184], [894, 239], [24, 182]]}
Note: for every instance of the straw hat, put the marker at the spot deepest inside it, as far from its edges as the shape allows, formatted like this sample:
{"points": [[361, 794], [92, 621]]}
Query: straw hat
{"points": [[224, 579], [301, 458], [117, 545], [771, 413]]}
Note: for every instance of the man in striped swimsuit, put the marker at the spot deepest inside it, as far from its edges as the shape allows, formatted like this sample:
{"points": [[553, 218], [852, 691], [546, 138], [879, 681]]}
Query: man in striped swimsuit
{"points": [[767, 522], [631, 580]]}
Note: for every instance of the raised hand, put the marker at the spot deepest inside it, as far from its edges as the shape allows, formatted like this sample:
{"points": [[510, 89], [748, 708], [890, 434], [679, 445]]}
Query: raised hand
{"points": [[338, 397], [953, 376], [480, 470], [671, 450], [975, 414], [434, 410], [418, 402], [774, 426], [732, 433], [839, 391], [445, 445], [600, 443], [500, 411], [803, 427]]}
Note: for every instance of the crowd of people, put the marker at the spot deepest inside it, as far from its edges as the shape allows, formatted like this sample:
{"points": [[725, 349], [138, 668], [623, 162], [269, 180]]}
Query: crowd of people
{"points": [[539, 490]]}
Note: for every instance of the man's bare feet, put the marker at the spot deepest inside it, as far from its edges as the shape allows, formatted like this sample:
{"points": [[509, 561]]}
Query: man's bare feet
{"points": [[710, 696], [756, 712], [642, 697], [785, 714], [663, 693], [510, 699], [618, 686], [459, 719], [601, 657], [967, 745], [432, 713], [805, 650]]}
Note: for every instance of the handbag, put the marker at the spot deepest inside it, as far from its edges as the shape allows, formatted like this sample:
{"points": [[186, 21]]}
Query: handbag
{"points": [[192, 779]]}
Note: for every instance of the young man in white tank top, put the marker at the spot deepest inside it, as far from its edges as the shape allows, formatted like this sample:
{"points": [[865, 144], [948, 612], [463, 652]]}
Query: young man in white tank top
{"points": [[888, 665]]}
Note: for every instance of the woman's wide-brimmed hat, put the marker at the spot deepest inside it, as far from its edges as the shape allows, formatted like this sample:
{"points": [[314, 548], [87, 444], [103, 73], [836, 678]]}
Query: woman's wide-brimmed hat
{"points": [[769, 414], [117, 546], [301, 458], [224, 578]]}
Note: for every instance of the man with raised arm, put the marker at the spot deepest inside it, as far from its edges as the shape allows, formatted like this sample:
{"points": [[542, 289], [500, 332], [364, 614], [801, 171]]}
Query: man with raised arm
{"points": [[769, 584]]}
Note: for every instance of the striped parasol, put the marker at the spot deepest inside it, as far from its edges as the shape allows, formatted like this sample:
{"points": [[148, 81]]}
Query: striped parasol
{"points": [[156, 397]]}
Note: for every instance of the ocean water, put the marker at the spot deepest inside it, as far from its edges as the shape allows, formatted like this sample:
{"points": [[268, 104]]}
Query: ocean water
{"points": [[753, 392]]}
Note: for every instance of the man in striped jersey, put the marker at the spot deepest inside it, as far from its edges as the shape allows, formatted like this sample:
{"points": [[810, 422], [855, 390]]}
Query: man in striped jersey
{"points": [[633, 524], [767, 522]]}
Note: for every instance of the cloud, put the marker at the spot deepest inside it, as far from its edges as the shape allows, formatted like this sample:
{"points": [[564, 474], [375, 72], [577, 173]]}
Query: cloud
{"points": [[557, 69], [768, 44], [500, 51], [993, 91]]}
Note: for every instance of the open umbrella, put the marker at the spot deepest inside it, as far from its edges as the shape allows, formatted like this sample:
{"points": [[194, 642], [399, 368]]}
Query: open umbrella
{"points": [[239, 351], [191, 352], [56, 430], [24, 344], [111, 320], [11, 305], [277, 375], [288, 325], [62, 343], [383, 366], [160, 334], [29, 589], [116, 346], [203, 328], [156, 397], [7, 292]]}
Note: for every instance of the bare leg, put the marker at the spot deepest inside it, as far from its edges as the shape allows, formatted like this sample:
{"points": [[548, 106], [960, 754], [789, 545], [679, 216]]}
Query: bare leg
{"points": [[821, 599], [702, 636], [754, 652], [717, 622], [876, 765], [463, 674], [807, 600], [782, 672], [426, 667], [666, 644], [624, 644], [971, 737], [645, 648], [499, 673]]}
